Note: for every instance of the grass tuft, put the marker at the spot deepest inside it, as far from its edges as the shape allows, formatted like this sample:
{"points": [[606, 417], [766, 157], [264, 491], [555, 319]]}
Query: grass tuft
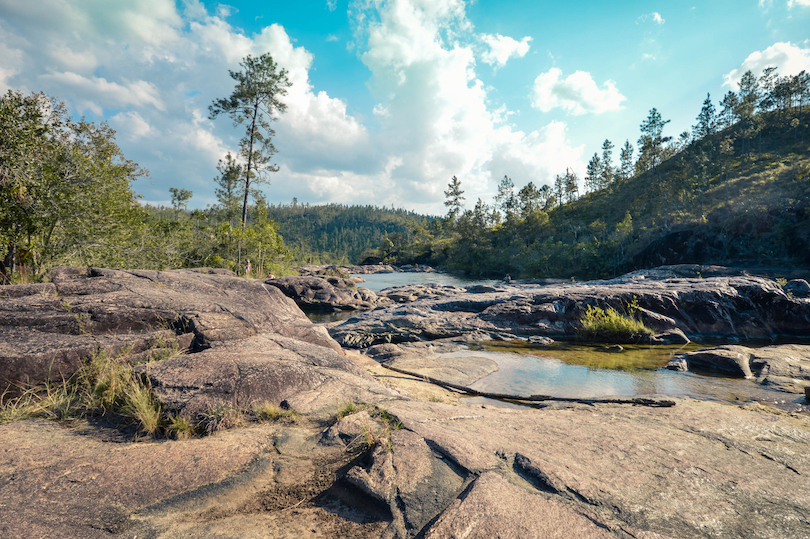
{"points": [[266, 411], [103, 385], [610, 325]]}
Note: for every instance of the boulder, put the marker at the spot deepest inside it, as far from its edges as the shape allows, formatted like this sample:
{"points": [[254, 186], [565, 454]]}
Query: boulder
{"points": [[730, 360], [798, 288], [784, 367], [318, 294]]}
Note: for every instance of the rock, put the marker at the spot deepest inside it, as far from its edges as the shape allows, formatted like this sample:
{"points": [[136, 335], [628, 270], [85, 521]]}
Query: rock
{"points": [[672, 336], [614, 348], [783, 367], [739, 308], [686, 471], [47, 337], [798, 288], [730, 360], [326, 293], [496, 508], [408, 293]]}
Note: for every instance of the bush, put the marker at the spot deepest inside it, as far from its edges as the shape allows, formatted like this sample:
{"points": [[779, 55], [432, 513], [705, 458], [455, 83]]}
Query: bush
{"points": [[610, 325]]}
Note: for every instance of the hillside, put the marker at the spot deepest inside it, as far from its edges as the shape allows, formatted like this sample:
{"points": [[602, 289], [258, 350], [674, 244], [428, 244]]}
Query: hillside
{"points": [[739, 196], [334, 233]]}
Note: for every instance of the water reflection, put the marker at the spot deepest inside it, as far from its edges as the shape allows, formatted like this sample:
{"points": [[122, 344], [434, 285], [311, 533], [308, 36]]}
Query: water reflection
{"points": [[582, 371]]}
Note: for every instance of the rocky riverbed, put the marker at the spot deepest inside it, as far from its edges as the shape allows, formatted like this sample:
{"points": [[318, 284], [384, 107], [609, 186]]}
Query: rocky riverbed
{"points": [[374, 453]]}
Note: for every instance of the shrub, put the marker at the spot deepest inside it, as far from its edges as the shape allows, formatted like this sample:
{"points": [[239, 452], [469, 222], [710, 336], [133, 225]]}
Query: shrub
{"points": [[611, 326]]}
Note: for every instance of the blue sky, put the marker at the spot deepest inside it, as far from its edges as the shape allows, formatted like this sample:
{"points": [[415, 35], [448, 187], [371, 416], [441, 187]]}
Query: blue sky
{"points": [[391, 98]]}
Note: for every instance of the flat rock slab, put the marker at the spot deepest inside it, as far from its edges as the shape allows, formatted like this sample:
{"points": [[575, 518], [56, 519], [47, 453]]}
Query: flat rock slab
{"points": [[47, 331], [695, 470], [57, 482]]}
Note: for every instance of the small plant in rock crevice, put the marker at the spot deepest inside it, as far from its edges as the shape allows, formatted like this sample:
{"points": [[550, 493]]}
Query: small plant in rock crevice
{"points": [[610, 325]]}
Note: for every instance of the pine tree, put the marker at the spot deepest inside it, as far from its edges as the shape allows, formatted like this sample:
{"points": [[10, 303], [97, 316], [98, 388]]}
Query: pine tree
{"points": [[255, 101], [454, 198], [626, 161], [706, 120], [570, 186], [606, 175], [728, 116], [506, 199], [593, 173], [227, 192]]}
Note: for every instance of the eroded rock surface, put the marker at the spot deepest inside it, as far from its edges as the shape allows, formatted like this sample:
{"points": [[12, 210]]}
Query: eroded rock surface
{"points": [[318, 294], [785, 367], [738, 308]]}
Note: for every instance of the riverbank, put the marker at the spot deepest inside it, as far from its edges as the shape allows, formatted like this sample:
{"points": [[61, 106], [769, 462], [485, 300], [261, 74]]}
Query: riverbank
{"points": [[348, 448]]}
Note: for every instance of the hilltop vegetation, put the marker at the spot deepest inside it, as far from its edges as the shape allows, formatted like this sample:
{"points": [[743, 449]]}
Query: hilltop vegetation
{"points": [[733, 190]]}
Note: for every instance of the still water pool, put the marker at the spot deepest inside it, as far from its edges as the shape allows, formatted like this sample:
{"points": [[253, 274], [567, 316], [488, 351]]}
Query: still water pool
{"points": [[582, 371]]}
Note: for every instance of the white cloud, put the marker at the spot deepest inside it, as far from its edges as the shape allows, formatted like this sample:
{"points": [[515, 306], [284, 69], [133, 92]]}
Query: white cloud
{"points": [[130, 125], [787, 58], [577, 94], [801, 3], [435, 113], [96, 92], [152, 68], [501, 48], [331, 5], [654, 17], [332, 37]]}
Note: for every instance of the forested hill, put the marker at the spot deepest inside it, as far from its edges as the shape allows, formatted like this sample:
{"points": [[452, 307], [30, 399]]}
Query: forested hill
{"points": [[733, 190], [334, 233]]}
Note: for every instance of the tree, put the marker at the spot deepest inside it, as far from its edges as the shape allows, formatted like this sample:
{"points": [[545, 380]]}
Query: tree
{"points": [[255, 102], [626, 161], [506, 199], [593, 173], [606, 176], [529, 199], [767, 82], [64, 187], [230, 174], [454, 198], [729, 113], [570, 186], [652, 140], [180, 198], [706, 120]]}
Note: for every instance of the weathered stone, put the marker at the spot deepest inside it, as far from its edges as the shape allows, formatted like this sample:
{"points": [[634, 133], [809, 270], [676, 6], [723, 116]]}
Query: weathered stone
{"points": [[737, 308], [326, 293], [798, 288], [730, 360], [497, 508], [46, 337], [784, 367]]}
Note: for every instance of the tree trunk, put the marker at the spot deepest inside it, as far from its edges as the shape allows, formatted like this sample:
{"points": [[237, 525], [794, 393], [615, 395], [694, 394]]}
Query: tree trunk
{"points": [[250, 161]]}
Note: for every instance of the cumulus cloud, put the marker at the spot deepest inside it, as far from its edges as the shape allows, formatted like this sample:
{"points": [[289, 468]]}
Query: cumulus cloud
{"points": [[801, 3], [577, 94], [151, 69], [502, 48], [789, 59]]}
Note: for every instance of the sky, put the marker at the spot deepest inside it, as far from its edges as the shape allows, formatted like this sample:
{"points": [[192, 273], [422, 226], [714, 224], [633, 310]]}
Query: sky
{"points": [[392, 98]]}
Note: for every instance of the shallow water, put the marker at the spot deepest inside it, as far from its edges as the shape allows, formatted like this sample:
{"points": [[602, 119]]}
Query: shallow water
{"points": [[583, 371], [379, 281]]}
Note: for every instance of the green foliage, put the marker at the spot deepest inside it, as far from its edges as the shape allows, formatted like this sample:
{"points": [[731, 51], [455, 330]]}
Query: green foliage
{"points": [[65, 194], [609, 325]]}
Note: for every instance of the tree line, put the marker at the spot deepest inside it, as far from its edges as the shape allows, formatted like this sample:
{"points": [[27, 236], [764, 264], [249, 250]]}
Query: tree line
{"points": [[682, 181]]}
